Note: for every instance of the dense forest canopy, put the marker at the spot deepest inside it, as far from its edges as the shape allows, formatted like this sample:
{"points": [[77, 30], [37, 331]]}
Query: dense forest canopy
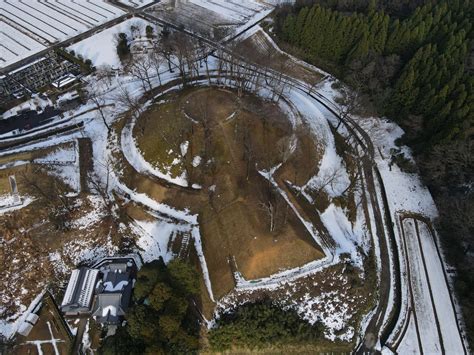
{"points": [[262, 324], [414, 66], [414, 62]]}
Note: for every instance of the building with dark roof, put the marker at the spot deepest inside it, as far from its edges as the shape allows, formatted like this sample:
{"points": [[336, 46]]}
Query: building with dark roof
{"points": [[114, 291], [105, 290]]}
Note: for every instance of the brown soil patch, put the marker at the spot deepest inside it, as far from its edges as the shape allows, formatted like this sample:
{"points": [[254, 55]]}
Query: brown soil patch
{"points": [[232, 136], [257, 251], [49, 318], [30, 235]]}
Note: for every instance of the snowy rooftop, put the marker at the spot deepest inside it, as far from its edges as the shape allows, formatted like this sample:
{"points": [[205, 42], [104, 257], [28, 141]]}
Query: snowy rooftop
{"points": [[31, 26], [136, 3]]}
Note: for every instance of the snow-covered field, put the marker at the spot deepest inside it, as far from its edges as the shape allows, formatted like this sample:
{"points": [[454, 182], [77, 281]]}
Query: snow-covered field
{"points": [[136, 3], [432, 323], [101, 48], [216, 19], [28, 26]]}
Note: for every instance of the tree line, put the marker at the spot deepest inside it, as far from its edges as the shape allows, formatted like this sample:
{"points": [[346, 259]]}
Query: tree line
{"points": [[413, 61], [262, 324], [410, 67]]}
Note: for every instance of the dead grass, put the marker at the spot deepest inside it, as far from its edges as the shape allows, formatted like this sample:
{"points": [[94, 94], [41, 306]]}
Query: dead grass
{"points": [[30, 235], [233, 226], [21, 169], [48, 317], [32, 154], [257, 251], [261, 51]]}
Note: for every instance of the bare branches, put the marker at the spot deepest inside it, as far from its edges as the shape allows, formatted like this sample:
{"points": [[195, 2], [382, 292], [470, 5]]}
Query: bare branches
{"points": [[270, 210], [131, 102], [274, 206], [327, 178], [156, 60], [53, 194], [140, 67], [349, 102], [100, 184], [99, 101]]}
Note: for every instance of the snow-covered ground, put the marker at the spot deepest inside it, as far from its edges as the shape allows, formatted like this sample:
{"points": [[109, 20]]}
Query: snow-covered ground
{"points": [[425, 313], [36, 103], [10, 325], [101, 48], [30, 26], [216, 19], [136, 3], [156, 236], [431, 323], [405, 191]]}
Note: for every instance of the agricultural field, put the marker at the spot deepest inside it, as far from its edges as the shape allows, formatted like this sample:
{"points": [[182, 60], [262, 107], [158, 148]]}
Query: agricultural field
{"points": [[31, 26], [218, 20]]}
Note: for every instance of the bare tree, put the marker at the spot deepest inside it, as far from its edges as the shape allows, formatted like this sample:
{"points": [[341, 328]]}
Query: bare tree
{"points": [[274, 206], [156, 60], [54, 195], [349, 102], [221, 64], [279, 83], [325, 179], [208, 74], [205, 122], [286, 146], [165, 49], [104, 74], [100, 184], [312, 80], [98, 98], [136, 29], [269, 208], [140, 67], [242, 75], [184, 51], [131, 102]]}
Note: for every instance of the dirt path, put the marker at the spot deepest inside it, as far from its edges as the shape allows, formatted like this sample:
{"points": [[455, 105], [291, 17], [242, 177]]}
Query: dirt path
{"points": [[77, 344], [85, 161]]}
